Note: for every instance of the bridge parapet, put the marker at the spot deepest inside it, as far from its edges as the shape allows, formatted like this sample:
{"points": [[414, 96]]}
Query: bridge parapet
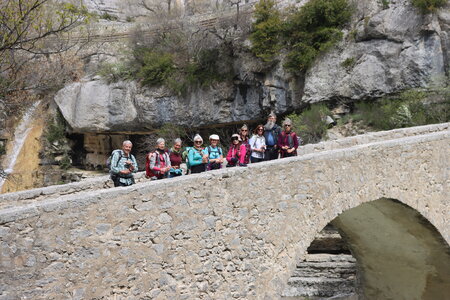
{"points": [[231, 233]]}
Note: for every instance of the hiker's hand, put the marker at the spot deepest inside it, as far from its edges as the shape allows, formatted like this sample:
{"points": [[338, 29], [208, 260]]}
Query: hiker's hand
{"points": [[290, 150], [126, 172]]}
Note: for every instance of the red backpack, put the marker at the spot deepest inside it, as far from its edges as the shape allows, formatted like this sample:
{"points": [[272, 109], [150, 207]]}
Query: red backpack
{"points": [[148, 172]]}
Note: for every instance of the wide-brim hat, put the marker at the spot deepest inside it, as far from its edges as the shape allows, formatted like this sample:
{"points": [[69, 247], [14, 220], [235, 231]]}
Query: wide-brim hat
{"points": [[214, 137], [238, 137]]}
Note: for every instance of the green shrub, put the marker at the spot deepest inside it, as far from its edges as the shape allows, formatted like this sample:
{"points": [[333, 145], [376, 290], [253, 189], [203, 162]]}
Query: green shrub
{"points": [[385, 4], [65, 162], [55, 131], [313, 29], [156, 67], [409, 108], [427, 6], [2, 149], [266, 30], [205, 69], [310, 125], [113, 72], [108, 16], [349, 63]]}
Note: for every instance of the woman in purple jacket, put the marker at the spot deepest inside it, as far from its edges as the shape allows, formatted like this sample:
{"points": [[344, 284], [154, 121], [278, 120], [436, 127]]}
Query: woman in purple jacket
{"points": [[287, 140]]}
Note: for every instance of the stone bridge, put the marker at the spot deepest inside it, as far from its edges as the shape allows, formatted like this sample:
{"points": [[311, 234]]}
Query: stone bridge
{"points": [[239, 233]]}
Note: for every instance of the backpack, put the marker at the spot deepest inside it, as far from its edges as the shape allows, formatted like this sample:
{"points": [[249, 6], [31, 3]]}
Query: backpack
{"points": [[109, 160], [218, 148], [148, 172], [184, 156]]}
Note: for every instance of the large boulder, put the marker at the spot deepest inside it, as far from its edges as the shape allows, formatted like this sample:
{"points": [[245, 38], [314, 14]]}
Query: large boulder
{"points": [[93, 105]]}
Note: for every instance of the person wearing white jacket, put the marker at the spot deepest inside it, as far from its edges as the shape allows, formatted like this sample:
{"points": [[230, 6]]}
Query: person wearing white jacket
{"points": [[257, 144]]}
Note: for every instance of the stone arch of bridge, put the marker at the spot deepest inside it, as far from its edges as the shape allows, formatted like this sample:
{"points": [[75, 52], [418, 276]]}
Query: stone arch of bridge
{"points": [[400, 254]]}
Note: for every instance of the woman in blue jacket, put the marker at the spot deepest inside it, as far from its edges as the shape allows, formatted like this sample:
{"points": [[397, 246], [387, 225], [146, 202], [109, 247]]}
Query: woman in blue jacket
{"points": [[197, 157]]}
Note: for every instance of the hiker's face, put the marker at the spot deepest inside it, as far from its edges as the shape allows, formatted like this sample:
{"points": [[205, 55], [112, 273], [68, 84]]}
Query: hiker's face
{"points": [[287, 128], [177, 146], [161, 145], [272, 119], [235, 141], [214, 142], [126, 148]]}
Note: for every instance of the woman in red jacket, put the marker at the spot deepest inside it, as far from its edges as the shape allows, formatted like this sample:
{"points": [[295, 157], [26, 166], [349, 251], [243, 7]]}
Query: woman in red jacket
{"points": [[236, 153], [287, 140], [158, 162], [175, 159]]}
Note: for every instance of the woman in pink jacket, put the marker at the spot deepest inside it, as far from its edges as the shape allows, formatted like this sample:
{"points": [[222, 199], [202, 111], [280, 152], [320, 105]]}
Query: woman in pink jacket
{"points": [[236, 153]]}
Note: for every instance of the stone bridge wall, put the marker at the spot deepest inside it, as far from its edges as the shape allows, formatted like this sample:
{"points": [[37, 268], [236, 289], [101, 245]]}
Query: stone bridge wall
{"points": [[232, 233]]}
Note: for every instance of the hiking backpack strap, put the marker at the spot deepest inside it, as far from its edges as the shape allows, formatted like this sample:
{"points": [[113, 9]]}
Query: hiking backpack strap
{"points": [[290, 140], [120, 157]]}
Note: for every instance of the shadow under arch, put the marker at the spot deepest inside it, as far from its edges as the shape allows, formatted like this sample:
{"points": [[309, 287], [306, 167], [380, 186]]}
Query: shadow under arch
{"points": [[400, 254]]}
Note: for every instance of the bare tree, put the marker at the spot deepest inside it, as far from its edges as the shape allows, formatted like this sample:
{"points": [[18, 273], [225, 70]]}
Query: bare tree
{"points": [[25, 23], [160, 7], [237, 3]]}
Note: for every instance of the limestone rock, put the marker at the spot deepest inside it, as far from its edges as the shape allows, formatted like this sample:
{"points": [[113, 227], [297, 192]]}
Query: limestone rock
{"points": [[93, 105], [388, 50]]}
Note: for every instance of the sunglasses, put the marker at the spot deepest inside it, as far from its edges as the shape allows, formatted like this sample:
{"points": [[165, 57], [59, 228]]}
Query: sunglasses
{"points": [[198, 142], [260, 129], [287, 125], [244, 130], [234, 139]]}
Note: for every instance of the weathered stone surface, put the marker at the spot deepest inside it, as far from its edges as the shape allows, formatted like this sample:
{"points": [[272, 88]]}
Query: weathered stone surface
{"points": [[94, 105], [388, 49], [99, 246]]}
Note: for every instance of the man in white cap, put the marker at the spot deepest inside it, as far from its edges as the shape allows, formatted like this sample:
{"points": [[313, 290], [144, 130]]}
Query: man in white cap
{"points": [[214, 152]]}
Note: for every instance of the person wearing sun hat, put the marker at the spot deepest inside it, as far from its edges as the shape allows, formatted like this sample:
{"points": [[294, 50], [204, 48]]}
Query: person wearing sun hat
{"points": [[236, 153], [196, 156], [214, 152]]}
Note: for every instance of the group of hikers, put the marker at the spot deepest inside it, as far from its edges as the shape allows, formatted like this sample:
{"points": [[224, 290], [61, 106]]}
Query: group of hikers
{"points": [[268, 142]]}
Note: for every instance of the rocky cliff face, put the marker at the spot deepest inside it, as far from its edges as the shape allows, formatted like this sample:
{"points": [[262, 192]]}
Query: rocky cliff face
{"points": [[385, 50]]}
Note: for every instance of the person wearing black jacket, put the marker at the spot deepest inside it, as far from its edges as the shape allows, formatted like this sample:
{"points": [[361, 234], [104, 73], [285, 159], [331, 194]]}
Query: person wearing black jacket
{"points": [[271, 133]]}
